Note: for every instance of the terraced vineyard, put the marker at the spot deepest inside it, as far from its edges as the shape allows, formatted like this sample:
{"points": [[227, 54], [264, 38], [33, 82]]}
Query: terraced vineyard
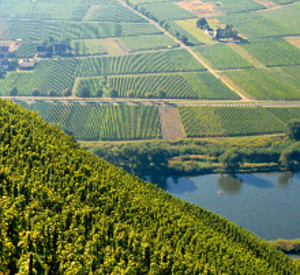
{"points": [[92, 122], [228, 121], [222, 57], [26, 50]]}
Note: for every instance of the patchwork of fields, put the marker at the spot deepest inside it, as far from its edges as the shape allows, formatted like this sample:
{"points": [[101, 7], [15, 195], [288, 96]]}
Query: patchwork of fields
{"points": [[153, 49]]}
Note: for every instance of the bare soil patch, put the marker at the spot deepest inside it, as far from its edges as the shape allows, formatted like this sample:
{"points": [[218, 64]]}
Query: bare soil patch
{"points": [[268, 4], [171, 126], [295, 40], [201, 9]]}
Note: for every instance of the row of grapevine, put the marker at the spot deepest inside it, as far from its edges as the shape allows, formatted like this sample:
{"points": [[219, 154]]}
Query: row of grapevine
{"points": [[286, 114], [157, 62], [26, 50], [102, 122], [248, 121], [229, 121]]}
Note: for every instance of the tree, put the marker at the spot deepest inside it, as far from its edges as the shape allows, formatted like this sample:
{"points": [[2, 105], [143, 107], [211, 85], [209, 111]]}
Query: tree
{"points": [[161, 93], [67, 92], [99, 93], [52, 93], [13, 92], [130, 94], [201, 23], [184, 39], [293, 129], [35, 92], [113, 93], [83, 92], [230, 158]]}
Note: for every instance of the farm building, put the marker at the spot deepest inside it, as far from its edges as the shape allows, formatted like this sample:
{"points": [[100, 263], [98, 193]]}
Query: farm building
{"points": [[27, 65]]}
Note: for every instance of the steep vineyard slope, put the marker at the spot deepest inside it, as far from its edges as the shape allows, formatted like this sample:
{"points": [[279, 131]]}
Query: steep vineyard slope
{"points": [[65, 211]]}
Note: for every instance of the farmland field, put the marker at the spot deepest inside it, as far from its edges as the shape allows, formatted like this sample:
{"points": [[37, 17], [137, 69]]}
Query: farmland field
{"points": [[233, 6], [157, 62], [286, 16], [92, 122], [55, 9], [147, 42], [111, 11], [222, 57], [273, 52], [201, 122], [255, 25], [87, 47], [266, 84], [248, 121], [228, 121], [286, 114], [164, 11], [26, 50]]}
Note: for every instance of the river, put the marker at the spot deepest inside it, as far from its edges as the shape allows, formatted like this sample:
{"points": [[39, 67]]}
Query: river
{"points": [[266, 204]]}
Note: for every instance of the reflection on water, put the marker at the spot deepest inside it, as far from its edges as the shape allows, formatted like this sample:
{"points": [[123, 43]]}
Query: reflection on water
{"points": [[284, 179], [230, 184], [266, 204]]}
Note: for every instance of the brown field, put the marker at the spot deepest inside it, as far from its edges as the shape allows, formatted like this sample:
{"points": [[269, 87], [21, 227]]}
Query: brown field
{"points": [[201, 9], [294, 41], [267, 3]]}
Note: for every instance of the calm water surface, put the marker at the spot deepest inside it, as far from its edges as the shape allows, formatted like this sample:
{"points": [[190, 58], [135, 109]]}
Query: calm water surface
{"points": [[266, 204]]}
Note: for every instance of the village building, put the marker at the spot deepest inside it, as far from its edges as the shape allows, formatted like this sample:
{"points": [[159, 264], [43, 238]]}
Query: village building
{"points": [[27, 65]]}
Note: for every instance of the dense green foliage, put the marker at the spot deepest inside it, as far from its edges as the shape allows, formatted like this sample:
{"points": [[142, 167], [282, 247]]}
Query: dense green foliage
{"points": [[223, 57], [94, 122], [70, 212]]}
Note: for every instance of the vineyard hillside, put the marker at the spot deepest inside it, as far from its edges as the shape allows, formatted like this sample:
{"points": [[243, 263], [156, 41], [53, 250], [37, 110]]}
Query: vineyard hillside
{"points": [[65, 211]]}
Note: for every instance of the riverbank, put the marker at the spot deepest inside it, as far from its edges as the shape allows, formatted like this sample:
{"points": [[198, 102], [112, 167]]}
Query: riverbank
{"points": [[203, 156]]}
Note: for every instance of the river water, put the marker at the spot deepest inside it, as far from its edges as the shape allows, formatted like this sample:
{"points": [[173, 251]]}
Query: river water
{"points": [[266, 204]]}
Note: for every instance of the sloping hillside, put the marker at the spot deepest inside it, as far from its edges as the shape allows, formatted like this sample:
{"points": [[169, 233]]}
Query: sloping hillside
{"points": [[65, 211]]}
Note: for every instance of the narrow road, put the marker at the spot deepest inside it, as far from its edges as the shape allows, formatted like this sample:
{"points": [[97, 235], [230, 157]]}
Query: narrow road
{"points": [[177, 102], [243, 97]]}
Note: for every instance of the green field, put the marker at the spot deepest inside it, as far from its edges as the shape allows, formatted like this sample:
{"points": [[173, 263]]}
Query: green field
{"points": [[55, 9], [201, 85], [164, 11], [26, 50], [112, 11], [221, 57], [201, 122], [87, 47], [233, 6], [48, 75], [156, 62], [255, 25], [147, 42], [287, 16], [43, 29], [239, 121], [286, 114], [93, 122], [273, 52], [266, 84], [228, 121]]}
